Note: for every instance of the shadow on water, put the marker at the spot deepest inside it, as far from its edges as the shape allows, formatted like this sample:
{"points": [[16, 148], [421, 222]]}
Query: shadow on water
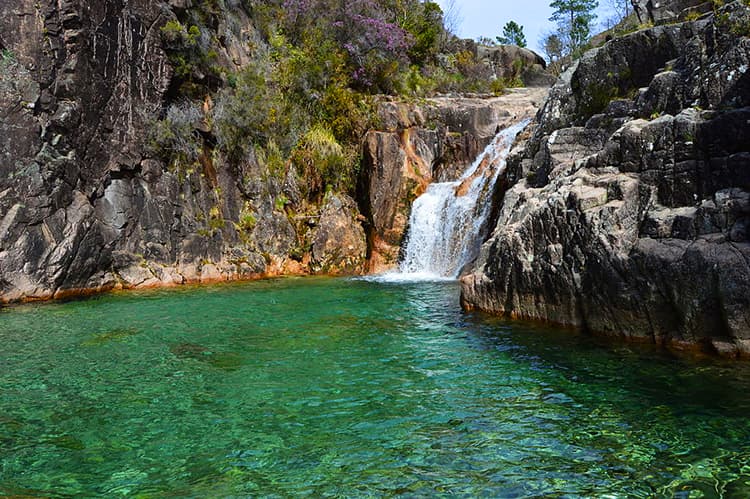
{"points": [[646, 370]]}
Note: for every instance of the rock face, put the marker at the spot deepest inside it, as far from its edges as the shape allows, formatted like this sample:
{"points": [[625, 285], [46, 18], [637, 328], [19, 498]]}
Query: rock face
{"points": [[338, 243], [661, 12], [628, 208], [84, 205], [420, 144]]}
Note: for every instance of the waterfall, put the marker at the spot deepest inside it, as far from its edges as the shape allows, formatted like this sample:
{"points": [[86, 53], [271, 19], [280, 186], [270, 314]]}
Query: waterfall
{"points": [[448, 222]]}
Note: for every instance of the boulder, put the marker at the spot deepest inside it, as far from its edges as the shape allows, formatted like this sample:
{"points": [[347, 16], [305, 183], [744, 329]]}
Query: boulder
{"points": [[650, 11], [510, 61]]}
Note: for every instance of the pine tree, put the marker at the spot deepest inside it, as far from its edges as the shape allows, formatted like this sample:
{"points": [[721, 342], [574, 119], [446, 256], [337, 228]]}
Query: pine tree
{"points": [[575, 18], [512, 35]]}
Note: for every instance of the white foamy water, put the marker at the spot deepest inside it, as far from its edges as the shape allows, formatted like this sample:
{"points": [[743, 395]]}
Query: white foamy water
{"points": [[448, 222]]}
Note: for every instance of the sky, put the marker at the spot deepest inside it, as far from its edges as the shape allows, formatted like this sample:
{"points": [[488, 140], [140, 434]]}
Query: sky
{"points": [[487, 18]]}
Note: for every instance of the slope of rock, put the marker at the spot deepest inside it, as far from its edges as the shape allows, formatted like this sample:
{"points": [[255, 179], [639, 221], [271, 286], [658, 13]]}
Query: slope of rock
{"points": [[87, 204], [629, 207]]}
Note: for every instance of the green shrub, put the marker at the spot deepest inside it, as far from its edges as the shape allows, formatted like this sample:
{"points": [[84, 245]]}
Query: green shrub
{"points": [[7, 57], [280, 202], [497, 86], [322, 162], [247, 222], [272, 160], [193, 58], [253, 113], [215, 220], [175, 139]]}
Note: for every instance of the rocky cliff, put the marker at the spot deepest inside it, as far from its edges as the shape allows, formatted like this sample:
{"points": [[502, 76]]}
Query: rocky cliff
{"points": [[88, 204], [85, 205], [628, 211]]}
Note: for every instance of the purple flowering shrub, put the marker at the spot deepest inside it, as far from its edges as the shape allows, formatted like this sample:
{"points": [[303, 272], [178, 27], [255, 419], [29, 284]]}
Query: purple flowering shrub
{"points": [[374, 43]]}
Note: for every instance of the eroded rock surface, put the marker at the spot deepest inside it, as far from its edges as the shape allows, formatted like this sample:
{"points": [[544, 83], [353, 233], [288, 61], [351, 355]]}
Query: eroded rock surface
{"points": [[338, 242], [627, 211]]}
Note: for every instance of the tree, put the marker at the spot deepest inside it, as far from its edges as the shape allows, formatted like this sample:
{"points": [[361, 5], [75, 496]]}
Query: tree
{"points": [[452, 18], [553, 49], [425, 23], [574, 19], [620, 9], [512, 35]]}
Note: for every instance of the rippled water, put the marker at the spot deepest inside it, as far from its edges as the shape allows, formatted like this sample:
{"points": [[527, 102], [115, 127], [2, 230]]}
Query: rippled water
{"points": [[351, 388]]}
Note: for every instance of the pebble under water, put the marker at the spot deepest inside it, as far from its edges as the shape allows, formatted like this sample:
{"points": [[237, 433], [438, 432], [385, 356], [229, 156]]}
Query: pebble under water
{"points": [[351, 388]]}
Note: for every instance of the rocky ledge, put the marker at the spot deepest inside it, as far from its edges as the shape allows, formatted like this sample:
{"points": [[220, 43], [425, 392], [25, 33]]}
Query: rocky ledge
{"points": [[627, 211]]}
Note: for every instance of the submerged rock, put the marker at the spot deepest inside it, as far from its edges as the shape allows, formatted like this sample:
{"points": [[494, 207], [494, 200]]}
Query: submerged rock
{"points": [[628, 209]]}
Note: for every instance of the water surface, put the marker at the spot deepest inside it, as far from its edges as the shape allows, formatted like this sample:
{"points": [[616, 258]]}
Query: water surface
{"points": [[334, 387]]}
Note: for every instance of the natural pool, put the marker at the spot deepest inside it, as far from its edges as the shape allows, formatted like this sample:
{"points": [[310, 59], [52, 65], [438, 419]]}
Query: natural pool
{"points": [[350, 388]]}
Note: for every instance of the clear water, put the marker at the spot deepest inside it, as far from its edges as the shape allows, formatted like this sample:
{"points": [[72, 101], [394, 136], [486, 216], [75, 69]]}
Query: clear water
{"points": [[334, 387], [447, 224]]}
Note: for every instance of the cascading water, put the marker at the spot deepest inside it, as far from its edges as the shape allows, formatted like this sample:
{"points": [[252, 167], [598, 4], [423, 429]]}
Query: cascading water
{"points": [[448, 221]]}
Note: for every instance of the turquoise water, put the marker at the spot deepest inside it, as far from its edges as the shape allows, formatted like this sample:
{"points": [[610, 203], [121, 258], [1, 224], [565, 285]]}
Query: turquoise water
{"points": [[333, 387]]}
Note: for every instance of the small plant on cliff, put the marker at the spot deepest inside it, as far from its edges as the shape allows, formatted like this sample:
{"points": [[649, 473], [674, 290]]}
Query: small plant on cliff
{"points": [[176, 35], [175, 139], [247, 222], [192, 56], [322, 162], [7, 57], [215, 221], [498, 86], [280, 202]]}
